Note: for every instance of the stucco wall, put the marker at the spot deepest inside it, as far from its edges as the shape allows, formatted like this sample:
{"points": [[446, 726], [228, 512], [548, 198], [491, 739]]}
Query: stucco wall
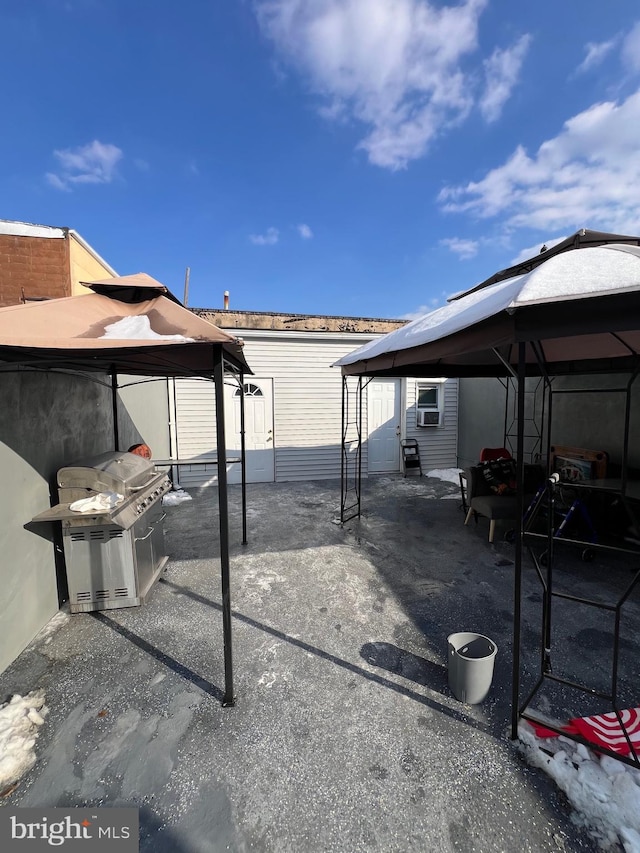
{"points": [[481, 404], [144, 414], [84, 267], [596, 420], [592, 420], [48, 420]]}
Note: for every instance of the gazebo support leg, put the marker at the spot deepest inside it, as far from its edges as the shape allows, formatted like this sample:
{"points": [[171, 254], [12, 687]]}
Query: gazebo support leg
{"points": [[223, 511], [517, 592]]}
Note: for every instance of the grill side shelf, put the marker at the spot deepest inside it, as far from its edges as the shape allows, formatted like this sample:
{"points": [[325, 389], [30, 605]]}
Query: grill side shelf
{"points": [[61, 512]]}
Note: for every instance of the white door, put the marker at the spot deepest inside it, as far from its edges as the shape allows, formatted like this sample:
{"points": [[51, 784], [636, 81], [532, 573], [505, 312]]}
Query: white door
{"points": [[258, 426], [384, 411]]}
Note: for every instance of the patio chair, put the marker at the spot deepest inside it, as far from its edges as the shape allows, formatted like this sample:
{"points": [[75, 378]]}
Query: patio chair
{"points": [[491, 491], [488, 454]]}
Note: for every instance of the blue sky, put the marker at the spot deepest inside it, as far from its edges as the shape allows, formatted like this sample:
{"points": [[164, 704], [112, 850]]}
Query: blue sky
{"points": [[357, 157]]}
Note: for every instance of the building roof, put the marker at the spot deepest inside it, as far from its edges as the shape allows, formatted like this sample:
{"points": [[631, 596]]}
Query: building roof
{"points": [[14, 228], [270, 320]]}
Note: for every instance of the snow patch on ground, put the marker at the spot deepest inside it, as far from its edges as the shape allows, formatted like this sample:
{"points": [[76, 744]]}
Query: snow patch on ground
{"points": [[53, 625], [605, 793], [20, 721], [449, 475], [262, 580], [176, 497]]}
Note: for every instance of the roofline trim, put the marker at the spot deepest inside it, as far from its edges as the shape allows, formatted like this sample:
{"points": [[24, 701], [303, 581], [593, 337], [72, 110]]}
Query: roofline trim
{"points": [[92, 251]]}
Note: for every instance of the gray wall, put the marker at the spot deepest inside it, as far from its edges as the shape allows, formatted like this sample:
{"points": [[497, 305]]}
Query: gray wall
{"points": [[481, 408], [596, 420], [48, 420], [144, 414], [593, 420]]}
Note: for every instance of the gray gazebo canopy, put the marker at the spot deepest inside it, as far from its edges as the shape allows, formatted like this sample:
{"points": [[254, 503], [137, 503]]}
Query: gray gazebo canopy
{"points": [[576, 312], [574, 309]]}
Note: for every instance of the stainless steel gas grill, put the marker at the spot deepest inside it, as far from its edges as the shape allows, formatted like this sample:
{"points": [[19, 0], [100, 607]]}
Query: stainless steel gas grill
{"points": [[113, 556]]}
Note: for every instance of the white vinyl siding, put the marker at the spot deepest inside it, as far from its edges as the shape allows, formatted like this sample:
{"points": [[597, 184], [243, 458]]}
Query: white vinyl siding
{"points": [[307, 407], [307, 402], [438, 445], [195, 428]]}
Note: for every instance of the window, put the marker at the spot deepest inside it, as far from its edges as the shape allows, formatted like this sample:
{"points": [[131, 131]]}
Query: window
{"points": [[427, 396], [250, 390], [429, 403]]}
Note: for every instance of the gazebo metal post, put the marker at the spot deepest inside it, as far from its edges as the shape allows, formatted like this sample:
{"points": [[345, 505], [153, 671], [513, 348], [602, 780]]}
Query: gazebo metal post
{"points": [[351, 463], [243, 462], [343, 449], [517, 593], [223, 511], [114, 408]]}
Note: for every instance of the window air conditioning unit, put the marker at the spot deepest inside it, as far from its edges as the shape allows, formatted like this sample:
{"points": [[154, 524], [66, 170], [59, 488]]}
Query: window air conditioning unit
{"points": [[429, 418]]}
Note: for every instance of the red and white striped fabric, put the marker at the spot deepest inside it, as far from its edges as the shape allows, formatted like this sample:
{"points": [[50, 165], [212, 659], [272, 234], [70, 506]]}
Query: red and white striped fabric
{"points": [[602, 730]]}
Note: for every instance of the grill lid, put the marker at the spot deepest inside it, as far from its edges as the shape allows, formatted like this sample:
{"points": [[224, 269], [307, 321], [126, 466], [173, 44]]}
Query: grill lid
{"points": [[115, 471]]}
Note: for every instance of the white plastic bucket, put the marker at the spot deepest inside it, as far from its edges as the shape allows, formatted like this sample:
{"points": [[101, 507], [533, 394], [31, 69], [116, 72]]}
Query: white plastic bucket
{"points": [[470, 664]]}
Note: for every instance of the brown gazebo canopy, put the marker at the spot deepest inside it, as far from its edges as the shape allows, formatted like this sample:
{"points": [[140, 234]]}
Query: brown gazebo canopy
{"points": [[133, 325]]}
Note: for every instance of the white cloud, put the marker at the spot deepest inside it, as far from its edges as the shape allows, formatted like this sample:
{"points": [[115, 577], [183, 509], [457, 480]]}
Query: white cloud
{"points": [[464, 248], [631, 49], [393, 65], [94, 163], [420, 311], [270, 238], [305, 232], [595, 54], [586, 176], [57, 182], [502, 70]]}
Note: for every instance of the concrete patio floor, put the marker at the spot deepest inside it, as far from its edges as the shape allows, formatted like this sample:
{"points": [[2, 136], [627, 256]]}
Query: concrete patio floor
{"points": [[345, 735]]}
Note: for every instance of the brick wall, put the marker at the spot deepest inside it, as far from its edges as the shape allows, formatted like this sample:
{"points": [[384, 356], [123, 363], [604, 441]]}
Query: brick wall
{"points": [[40, 265]]}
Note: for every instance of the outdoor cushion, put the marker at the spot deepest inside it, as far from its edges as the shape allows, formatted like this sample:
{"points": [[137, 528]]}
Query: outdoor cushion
{"points": [[496, 506], [500, 474]]}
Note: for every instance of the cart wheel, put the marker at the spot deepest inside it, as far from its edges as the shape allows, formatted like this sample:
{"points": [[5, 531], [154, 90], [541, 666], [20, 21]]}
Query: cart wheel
{"points": [[510, 536], [587, 555]]}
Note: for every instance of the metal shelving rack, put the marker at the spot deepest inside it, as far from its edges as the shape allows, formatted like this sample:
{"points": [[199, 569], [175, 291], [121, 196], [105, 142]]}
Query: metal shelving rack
{"points": [[543, 562]]}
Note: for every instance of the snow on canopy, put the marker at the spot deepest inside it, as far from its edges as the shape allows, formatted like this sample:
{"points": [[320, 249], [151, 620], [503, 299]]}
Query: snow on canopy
{"points": [[560, 282]]}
